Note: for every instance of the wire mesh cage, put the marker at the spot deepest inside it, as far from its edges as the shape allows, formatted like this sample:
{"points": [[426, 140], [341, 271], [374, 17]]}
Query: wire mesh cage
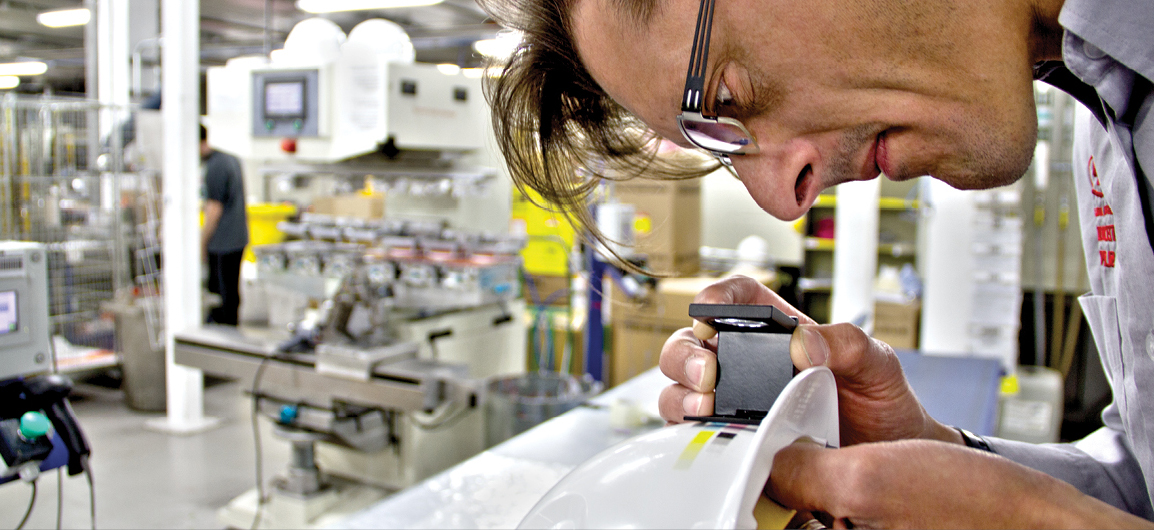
{"points": [[64, 182]]}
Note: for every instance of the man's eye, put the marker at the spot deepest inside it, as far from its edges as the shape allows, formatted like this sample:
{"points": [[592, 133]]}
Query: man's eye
{"points": [[724, 97]]}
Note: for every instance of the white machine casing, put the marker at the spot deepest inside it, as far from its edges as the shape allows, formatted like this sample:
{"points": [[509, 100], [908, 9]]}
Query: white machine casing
{"points": [[359, 102], [692, 475], [26, 328]]}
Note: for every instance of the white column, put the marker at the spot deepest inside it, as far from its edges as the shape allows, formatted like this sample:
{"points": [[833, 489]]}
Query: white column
{"points": [[855, 258], [112, 51], [180, 23], [947, 299]]}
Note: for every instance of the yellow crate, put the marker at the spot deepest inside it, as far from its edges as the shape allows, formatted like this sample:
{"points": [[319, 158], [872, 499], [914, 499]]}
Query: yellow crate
{"points": [[262, 221]]}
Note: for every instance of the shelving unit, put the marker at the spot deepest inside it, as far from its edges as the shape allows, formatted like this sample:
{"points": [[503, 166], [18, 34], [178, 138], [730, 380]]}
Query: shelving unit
{"points": [[897, 242]]}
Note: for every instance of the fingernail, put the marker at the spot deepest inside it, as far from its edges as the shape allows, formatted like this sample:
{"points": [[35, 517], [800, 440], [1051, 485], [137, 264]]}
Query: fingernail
{"points": [[695, 370], [692, 404], [814, 345]]}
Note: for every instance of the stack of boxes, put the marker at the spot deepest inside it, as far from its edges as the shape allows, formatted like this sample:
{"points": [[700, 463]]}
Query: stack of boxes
{"points": [[997, 288], [666, 223]]}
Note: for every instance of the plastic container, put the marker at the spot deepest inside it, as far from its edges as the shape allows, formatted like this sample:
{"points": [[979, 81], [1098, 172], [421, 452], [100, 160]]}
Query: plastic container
{"points": [[1034, 413], [517, 404], [262, 221]]}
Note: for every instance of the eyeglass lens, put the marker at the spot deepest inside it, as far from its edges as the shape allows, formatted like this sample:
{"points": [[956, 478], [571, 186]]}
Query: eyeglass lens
{"points": [[716, 136]]}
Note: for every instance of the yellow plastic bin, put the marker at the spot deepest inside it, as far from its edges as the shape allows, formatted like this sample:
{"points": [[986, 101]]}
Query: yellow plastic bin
{"points": [[262, 221]]}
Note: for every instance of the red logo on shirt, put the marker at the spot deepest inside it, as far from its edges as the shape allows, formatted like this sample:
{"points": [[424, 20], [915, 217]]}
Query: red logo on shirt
{"points": [[1105, 217]]}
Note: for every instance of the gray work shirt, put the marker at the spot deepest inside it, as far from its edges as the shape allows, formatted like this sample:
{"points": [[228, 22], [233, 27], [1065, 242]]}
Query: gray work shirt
{"points": [[223, 183], [1109, 46]]}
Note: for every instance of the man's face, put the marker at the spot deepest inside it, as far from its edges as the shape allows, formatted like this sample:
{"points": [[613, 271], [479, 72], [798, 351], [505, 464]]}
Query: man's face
{"points": [[833, 90]]}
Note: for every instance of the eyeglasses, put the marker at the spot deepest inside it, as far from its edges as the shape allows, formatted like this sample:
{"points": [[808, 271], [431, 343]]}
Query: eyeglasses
{"points": [[720, 136]]}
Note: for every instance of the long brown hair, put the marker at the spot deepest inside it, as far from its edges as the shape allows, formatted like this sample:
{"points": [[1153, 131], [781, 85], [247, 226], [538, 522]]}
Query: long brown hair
{"points": [[559, 132]]}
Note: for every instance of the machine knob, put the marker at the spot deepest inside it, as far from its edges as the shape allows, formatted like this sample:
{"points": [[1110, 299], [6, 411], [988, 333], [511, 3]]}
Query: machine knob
{"points": [[288, 414], [288, 145], [34, 425]]}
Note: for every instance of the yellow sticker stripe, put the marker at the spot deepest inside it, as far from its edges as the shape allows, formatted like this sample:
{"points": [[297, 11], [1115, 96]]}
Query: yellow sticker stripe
{"points": [[690, 453]]}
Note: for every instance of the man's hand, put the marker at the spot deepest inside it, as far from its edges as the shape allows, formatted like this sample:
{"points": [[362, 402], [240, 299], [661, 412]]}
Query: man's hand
{"points": [[875, 401], [927, 484], [213, 210]]}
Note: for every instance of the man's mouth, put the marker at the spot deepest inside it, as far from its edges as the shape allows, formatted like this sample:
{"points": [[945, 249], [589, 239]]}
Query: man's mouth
{"points": [[880, 155]]}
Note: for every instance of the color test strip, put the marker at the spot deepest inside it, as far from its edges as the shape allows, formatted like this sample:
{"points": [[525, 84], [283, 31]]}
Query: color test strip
{"points": [[690, 453]]}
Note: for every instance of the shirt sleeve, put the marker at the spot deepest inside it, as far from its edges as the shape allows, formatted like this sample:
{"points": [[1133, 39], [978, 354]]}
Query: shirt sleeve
{"points": [[1100, 465]]}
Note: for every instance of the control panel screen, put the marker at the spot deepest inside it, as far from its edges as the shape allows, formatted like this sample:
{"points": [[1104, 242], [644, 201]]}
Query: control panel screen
{"points": [[9, 318], [284, 99]]}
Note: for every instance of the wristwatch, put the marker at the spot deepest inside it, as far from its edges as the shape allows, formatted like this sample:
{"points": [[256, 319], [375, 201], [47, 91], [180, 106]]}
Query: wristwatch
{"points": [[973, 440]]}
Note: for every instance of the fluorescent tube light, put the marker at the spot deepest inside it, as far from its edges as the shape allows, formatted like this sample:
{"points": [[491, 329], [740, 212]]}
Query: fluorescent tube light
{"points": [[65, 17], [500, 47], [449, 69], [332, 6], [9, 81], [23, 68]]}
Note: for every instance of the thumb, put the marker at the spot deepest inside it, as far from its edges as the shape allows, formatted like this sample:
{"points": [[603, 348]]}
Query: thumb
{"points": [[844, 348], [807, 347]]}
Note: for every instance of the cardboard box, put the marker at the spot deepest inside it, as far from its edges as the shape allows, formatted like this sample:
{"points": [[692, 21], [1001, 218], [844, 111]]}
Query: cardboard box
{"points": [[668, 304], [354, 205], [551, 289], [636, 347], [667, 222], [641, 327], [897, 324]]}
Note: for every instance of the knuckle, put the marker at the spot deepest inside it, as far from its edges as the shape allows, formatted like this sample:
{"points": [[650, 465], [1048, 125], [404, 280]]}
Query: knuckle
{"points": [[860, 476]]}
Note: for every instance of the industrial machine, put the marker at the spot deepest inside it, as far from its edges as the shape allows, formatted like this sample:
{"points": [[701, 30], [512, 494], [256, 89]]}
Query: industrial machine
{"points": [[377, 374], [38, 430], [24, 326], [382, 330]]}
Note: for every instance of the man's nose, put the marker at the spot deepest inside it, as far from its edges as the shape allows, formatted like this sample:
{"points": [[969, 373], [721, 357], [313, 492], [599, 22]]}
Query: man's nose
{"points": [[783, 179]]}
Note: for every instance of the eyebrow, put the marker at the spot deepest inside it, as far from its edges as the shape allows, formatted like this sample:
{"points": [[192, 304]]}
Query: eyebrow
{"points": [[640, 12]]}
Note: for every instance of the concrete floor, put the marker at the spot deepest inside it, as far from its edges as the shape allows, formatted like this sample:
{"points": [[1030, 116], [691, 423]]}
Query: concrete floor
{"points": [[146, 479]]}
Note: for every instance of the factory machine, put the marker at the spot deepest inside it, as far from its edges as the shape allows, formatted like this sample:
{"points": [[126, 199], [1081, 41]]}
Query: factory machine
{"points": [[38, 430], [378, 375], [382, 333]]}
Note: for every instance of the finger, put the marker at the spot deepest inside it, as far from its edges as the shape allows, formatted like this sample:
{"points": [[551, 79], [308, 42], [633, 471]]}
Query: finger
{"points": [[677, 402], [703, 331], [687, 361], [844, 348], [744, 290], [799, 477]]}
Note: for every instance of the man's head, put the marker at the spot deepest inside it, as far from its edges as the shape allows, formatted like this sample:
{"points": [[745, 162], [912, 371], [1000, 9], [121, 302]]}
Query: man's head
{"points": [[205, 150], [833, 90]]}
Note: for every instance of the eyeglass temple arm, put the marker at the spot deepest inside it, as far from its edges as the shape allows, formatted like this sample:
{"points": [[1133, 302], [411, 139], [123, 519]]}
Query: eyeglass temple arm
{"points": [[695, 78]]}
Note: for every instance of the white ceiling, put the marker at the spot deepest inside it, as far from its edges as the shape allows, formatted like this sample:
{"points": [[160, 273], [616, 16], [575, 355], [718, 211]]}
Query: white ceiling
{"points": [[441, 33]]}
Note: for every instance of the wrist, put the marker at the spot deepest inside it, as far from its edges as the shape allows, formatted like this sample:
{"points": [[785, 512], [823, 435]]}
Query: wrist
{"points": [[943, 433], [974, 441]]}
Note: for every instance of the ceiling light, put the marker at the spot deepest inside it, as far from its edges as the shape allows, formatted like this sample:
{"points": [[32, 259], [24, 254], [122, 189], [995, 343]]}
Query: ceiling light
{"points": [[332, 6], [449, 69], [65, 17], [9, 81], [500, 47], [23, 68], [473, 73]]}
